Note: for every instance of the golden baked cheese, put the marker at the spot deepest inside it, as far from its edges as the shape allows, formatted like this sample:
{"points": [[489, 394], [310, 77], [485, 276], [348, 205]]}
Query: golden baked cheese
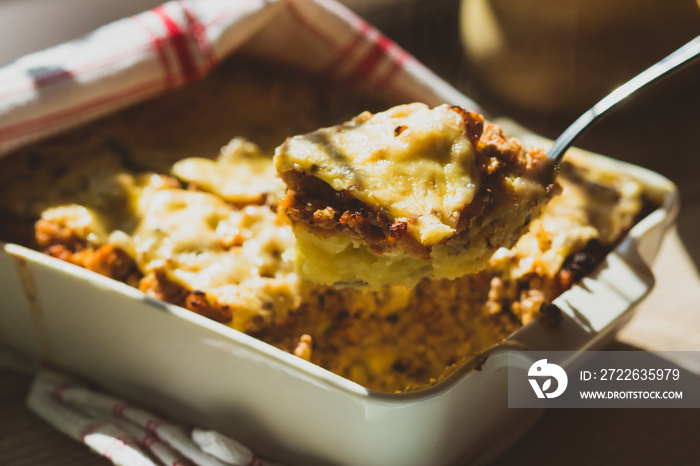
{"points": [[241, 174], [239, 258], [225, 249], [415, 164]]}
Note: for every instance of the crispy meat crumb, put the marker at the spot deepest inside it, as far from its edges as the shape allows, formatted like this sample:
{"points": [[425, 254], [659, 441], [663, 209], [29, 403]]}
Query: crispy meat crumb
{"points": [[303, 348]]}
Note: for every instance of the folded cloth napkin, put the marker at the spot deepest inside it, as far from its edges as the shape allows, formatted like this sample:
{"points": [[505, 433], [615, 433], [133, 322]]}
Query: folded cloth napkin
{"points": [[124, 434], [118, 431], [138, 57]]}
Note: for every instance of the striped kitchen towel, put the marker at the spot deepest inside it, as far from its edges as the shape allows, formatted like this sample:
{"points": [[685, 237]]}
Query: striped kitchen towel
{"points": [[138, 57], [125, 434]]}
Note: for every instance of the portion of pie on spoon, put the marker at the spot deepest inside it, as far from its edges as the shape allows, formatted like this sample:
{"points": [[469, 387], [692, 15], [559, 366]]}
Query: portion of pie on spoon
{"points": [[412, 192]]}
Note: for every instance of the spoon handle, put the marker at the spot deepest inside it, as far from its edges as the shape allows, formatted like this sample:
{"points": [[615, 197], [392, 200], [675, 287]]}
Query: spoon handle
{"points": [[674, 62]]}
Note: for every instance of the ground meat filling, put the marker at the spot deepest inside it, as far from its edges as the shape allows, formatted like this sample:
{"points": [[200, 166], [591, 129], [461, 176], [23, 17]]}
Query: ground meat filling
{"points": [[312, 202], [496, 155], [157, 285], [57, 240], [582, 262]]}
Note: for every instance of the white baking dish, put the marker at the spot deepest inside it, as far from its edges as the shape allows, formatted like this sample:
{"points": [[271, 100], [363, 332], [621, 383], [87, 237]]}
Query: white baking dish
{"points": [[282, 406], [288, 409]]}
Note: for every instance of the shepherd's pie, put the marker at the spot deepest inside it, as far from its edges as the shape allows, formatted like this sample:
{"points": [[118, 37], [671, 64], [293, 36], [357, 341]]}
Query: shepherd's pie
{"points": [[143, 197]]}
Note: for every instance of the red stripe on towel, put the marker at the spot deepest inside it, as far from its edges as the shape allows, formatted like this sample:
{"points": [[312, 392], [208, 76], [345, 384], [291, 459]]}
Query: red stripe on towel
{"points": [[199, 33], [178, 39], [158, 44], [378, 52], [349, 50]]}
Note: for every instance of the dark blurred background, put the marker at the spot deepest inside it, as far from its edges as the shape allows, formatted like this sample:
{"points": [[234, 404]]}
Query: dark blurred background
{"points": [[544, 62]]}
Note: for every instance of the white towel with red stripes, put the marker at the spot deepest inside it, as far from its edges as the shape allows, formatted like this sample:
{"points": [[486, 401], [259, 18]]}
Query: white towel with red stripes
{"points": [[125, 434], [135, 58]]}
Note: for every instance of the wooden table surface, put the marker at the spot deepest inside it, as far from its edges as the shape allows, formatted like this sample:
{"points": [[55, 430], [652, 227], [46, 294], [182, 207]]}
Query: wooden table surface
{"points": [[661, 131]]}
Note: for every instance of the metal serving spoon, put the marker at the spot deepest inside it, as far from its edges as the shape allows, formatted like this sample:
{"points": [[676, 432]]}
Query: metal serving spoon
{"points": [[682, 57]]}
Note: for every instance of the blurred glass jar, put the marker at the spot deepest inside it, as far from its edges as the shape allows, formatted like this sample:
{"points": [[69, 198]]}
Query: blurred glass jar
{"points": [[562, 56]]}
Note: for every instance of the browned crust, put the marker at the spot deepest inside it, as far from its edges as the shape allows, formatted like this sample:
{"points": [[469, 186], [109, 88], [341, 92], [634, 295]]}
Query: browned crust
{"points": [[49, 233], [58, 240], [157, 285], [61, 242]]}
